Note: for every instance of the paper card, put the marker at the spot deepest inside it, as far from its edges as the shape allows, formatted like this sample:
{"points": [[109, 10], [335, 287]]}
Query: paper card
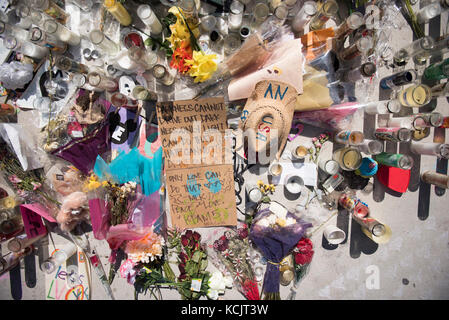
{"points": [[32, 219], [200, 193], [307, 171]]}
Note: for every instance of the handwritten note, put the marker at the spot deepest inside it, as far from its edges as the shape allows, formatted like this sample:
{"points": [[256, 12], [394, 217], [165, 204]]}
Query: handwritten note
{"points": [[200, 185], [32, 219]]}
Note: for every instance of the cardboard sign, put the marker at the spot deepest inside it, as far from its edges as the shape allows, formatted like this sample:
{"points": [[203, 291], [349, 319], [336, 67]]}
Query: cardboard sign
{"points": [[32, 215], [200, 190]]}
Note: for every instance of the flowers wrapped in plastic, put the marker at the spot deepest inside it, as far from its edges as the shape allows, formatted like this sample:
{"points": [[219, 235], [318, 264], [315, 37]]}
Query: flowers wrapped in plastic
{"points": [[302, 257], [230, 254], [275, 231]]}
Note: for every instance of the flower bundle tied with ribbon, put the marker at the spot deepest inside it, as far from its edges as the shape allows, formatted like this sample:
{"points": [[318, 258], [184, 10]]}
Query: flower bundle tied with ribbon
{"points": [[276, 231]]}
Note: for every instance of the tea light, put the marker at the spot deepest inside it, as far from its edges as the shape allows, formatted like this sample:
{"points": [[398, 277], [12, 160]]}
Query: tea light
{"points": [[299, 153], [294, 184]]}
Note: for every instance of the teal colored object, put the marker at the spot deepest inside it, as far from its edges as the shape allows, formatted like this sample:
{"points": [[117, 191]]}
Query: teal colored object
{"points": [[368, 168], [133, 166]]}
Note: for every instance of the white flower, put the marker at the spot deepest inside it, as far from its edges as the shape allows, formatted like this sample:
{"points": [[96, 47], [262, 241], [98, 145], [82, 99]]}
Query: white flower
{"points": [[228, 282], [212, 294], [290, 221], [282, 214], [264, 222], [271, 219]]}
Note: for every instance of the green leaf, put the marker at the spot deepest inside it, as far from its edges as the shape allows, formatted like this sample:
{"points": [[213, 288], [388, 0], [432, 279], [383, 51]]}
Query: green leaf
{"points": [[203, 265], [197, 255], [266, 199], [191, 268]]}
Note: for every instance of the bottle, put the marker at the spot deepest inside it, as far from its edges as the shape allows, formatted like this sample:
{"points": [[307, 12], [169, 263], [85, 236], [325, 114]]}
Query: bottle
{"points": [[415, 96], [21, 242], [103, 82], [372, 225], [308, 10], [368, 69], [326, 10], [361, 46], [353, 22], [25, 47], [235, 17], [382, 107], [69, 65], [440, 150], [150, 19], [417, 47], [12, 30], [100, 40], [59, 257], [398, 79], [61, 33], [349, 158], [435, 178], [428, 12], [12, 260], [437, 71], [393, 134], [118, 11], [51, 9], [43, 39], [190, 12], [347, 201], [397, 160], [349, 137], [372, 147]]}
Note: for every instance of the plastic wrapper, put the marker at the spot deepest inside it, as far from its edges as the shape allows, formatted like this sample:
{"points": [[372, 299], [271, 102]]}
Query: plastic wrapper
{"points": [[276, 235], [336, 117], [144, 211], [229, 251], [15, 75]]}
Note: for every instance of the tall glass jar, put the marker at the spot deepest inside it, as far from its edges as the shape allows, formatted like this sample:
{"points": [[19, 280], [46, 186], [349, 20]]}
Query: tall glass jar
{"points": [[440, 150], [59, 257], [85, 5], [11, 30], [348, 158], [43, 39], [103, 82], [61, 33], [326, 10], [100, 40], [435, 178], [52, 9], [415, 96], [353, 22], [118, 11], [149, 18], [361, 46], [235, 17], [308, 10], [144, 58], [69, 65]]}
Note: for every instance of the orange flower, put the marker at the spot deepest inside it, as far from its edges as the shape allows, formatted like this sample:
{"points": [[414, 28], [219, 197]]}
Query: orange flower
{"points": [[180, 55]]}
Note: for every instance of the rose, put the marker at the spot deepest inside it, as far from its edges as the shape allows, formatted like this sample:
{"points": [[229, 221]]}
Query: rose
{"points": [[243, 233], [196, 236], [183, 257], [182, 268], [303, 251], [184, 241]]}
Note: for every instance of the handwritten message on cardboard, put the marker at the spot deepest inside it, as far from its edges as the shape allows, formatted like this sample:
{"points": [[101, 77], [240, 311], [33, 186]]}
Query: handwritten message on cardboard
{"points": [[200, 193]]}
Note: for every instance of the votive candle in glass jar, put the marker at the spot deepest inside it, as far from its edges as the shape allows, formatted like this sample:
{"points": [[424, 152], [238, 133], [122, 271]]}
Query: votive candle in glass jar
{"points": [[235, 17], [100, 40], [69, 65], [149, 18], [353, 22], [440, 150], [43, 39], [61, 33], [59, 257], [435, 178], [102, 81], [118, 11], [52, 9], [415, 96], [25, 47], [308, 10], [326, 10], [348, 158]]}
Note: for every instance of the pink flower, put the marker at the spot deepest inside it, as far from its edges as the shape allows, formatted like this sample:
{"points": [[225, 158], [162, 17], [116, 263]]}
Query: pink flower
{"points": [[36, 185], [318, 145], [314, 139], [128, 272], [14, 179]]}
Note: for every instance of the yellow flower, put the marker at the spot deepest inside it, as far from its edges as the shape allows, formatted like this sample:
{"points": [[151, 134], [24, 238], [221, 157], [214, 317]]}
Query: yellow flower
{"points": [[203, 66]]}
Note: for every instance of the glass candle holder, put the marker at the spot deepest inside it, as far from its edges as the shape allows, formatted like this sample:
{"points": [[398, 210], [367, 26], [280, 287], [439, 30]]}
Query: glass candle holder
{"points": [[435, 178], [281, 13], [397, 160], [102, 82], [353, 22], [19, 243], [326, 10], [208, 23], [118, 11], [11, 30], [393, 134], [348, 158], [290, 3], [366, 70], [149, 18], [398, 79], [417, 47], [145, 59], [382, 107], [372, 147], [253, 191], [13, 260], [361, 46], [85, 5], [244, 32], [415, 96], [59, 257], [190, 12], [23, 12], [235, 17], [231, 43], [61, 33], [25, 47], [43, 39], [308, 10], [161, 74], [69, 65], [428, 12], [260, 13], [142, 93], [52, 9], [10, 222], [100, 40], [440, 150], [437, 71], [349, 137]]}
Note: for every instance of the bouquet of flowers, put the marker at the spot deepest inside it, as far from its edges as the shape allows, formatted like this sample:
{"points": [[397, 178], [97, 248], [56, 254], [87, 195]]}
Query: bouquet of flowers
{"points": [[302, 254], [230, 254], [276, 231]]}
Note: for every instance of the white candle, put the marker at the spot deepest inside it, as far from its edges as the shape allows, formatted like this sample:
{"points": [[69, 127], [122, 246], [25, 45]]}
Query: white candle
{"points": [[149, 18]]}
